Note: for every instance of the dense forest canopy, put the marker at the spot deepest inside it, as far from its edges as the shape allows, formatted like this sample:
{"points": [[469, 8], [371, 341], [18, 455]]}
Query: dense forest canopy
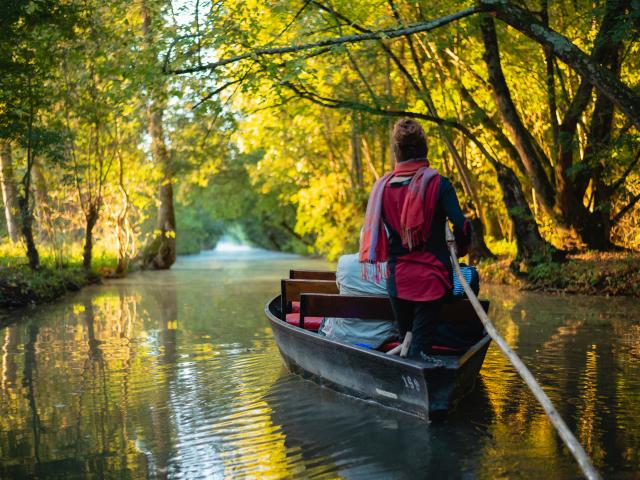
{"points": [[149, 128]]}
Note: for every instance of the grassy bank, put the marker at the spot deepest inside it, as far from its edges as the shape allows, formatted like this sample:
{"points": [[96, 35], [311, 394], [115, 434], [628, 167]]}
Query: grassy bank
{"points": [[590, 273], [20, 286]]}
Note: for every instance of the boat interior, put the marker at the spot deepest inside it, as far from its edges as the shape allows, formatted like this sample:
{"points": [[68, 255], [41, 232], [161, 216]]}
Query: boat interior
{"points": [[308, 296]]}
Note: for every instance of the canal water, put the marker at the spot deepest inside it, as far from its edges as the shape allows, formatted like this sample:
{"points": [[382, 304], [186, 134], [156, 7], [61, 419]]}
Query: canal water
{"points": [[175, 375]]}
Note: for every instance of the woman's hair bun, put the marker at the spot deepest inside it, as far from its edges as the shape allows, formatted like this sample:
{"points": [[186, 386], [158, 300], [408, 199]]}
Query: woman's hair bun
{"points": [[408, 132], [409, 140]]}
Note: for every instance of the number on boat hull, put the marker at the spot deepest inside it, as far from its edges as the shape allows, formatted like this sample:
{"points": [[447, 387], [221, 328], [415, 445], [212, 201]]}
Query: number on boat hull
{"points": [[411, 382]]}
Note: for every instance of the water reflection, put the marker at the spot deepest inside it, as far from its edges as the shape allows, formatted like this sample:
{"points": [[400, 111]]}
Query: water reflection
{"points": [[333, 434], [175, 374]]}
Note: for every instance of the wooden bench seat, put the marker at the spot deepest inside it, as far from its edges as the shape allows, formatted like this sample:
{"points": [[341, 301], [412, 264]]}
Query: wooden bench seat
{"points": [[312, 275], [458, 312], [291, 289], [369, 307], [309, 275]]}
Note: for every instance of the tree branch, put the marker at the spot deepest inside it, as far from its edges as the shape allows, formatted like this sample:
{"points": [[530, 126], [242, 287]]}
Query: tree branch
{"points": [[551, 86], [490, 125], [621, 95], [572, 118], [465, 66], [353, 62], [295, 17], [530, 152], [625, 210], [213, 93], [618, 183], [375, 35]]}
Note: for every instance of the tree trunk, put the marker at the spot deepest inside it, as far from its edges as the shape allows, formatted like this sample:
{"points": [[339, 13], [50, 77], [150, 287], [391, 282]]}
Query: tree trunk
{"points": [[123, 243], [356, 152], [532, 248], [26, 219], [512, 193], [42, 200], [478, 248], [595, 228], [122, 230], [92, 219], [566, 197], [161, 252], [571, 188], [522, 139], [481, 117], [494, 226], [9, 191]]}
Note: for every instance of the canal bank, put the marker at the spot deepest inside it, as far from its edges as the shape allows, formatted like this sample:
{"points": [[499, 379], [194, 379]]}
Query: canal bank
{"points": [[615, 274], [595, 273]]}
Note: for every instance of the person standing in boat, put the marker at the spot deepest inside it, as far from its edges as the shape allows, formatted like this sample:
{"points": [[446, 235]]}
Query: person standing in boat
{"points": [[405, 227]]}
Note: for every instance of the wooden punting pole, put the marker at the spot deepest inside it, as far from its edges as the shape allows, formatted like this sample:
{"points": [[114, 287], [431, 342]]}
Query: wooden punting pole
{"points": [[567, 436]]}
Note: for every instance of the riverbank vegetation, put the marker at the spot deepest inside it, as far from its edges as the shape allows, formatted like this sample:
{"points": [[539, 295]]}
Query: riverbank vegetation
{"points": [[147, 129], [586, 273]]}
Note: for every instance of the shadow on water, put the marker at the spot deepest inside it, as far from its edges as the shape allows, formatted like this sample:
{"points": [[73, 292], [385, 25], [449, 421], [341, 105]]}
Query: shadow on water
{"points": [[175, 375]]}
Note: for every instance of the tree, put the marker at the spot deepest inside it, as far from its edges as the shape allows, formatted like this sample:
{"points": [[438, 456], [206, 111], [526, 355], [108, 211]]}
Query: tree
{"points": [[31, 34], [561, 192], [161, 252]]}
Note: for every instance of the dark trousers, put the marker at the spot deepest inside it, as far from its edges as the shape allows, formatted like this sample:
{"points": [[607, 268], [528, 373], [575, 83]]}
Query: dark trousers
{"points": [[420, 318]]}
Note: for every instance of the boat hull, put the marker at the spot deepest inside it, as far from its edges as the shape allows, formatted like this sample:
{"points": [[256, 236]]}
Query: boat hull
{"points": [[415, 387]]}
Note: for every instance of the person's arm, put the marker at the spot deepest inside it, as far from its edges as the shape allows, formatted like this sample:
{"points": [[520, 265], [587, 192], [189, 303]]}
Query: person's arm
{"points": [[461, 226]]}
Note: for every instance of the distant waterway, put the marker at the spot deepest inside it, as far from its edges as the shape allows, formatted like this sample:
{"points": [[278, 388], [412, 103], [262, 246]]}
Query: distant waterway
{"points": [[175, 375]]}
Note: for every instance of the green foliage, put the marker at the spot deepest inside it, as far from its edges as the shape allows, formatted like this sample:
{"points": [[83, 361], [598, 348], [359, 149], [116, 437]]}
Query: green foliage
{"points": [[31, 33], [196, 230]]}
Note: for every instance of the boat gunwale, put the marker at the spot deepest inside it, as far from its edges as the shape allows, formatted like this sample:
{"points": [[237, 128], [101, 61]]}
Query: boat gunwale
{"points": [[448, 362]]}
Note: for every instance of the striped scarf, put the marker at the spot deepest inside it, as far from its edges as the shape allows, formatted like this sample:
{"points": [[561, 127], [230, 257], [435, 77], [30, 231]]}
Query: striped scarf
{"points": [[415, 220]]}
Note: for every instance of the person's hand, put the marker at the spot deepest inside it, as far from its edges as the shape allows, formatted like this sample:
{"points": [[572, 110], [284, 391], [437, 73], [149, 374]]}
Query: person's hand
{"points": [[451, 239]]}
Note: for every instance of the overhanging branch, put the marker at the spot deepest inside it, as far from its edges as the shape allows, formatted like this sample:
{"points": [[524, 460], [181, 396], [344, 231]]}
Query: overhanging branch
{"points": [[376, 35], [618, 93]]}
